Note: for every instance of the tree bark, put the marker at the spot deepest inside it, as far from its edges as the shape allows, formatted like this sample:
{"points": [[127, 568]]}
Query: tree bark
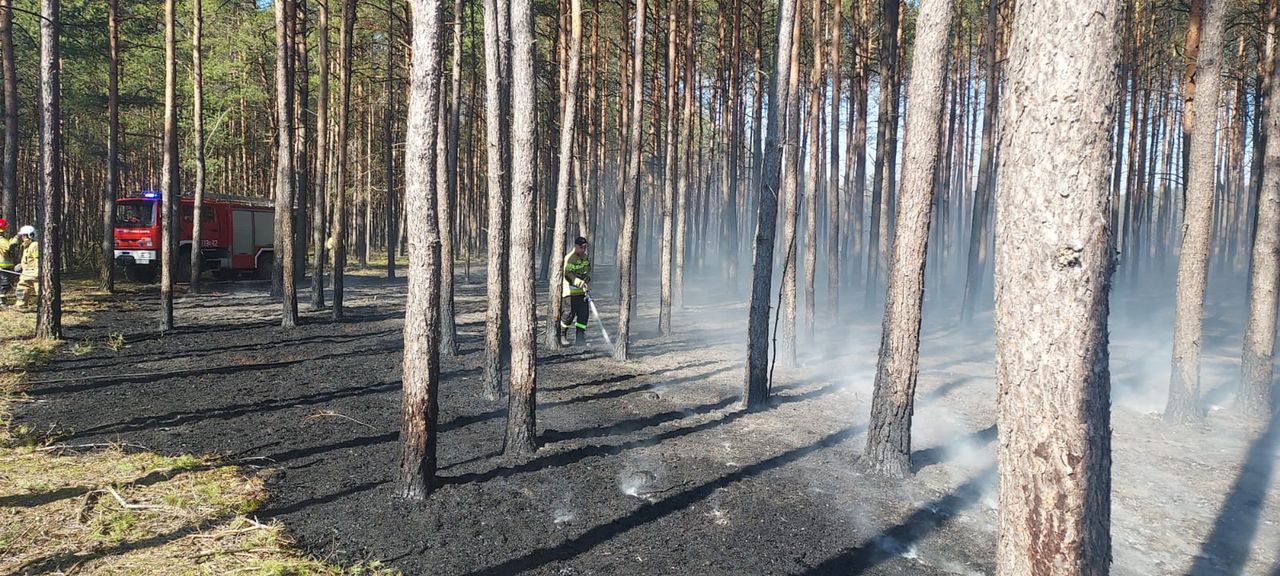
{"points": [[302, 141], [107, 280], [1256, 382], [496, 343], [884, 141], [319, 207], [1053, 268], [833, 183], [568, 120], [686, 162], [339, 228], [813, 168], [1190, 53], [666, 243], [283, 267], [169, 186], [888, 449], [631, 191], [982, 191], [756, 383], [197, 132], [1193, 260], [790, 205], [49, 309], [447, 198], [522, 430], [419, 409]]}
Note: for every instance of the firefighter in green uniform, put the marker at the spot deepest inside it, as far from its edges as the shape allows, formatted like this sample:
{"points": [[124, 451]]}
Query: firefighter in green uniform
{"points": [[9, 253], [575, 311]]}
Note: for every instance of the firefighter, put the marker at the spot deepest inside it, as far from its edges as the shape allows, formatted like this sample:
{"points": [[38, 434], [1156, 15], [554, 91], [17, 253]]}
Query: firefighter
{"points": [[10, 251], [29, 266], [575, 312]]}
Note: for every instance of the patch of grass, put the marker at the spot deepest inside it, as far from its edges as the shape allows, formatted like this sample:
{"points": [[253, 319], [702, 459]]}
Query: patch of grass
{"points": [[112, 511], [115, 341], [81, 348]]}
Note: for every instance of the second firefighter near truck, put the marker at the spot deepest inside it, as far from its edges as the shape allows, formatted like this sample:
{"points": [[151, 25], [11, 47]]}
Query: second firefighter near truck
{"points": [[575, 311]]}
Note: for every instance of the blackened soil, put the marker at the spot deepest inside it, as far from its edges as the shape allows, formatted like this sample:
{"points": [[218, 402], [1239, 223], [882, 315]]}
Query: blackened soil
{"points": [[645, 467]]}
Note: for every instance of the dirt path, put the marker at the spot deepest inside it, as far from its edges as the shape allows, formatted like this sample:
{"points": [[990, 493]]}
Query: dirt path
{"points": [[646, 466]]}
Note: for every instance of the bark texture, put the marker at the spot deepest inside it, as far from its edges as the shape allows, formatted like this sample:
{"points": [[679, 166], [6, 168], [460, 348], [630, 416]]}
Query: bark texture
{"points": [[1193, 259], [521, 436], [1256, 380], [419, 409], [888, 448], [49, 309], [1052, 277], [756, 381]]}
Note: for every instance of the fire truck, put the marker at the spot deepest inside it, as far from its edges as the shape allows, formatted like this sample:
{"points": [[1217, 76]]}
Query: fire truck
{"points": [[236, 236]]}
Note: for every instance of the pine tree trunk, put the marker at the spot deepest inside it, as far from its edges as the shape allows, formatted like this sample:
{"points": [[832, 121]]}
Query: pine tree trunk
{"points": [[666, 241], [283, 261], [49, 311], [888, 449], [686, 163], [169, 186], [884, 142], [1190, 53], [631, 191], [861, 60], [107, 280], [302, 141], [447, 195], [756, 383], [1256, 383], [339, 228], [982, 192], [499, 191], [419, 409], [1053, 267], [813, 168], [833, 184], [197, 130], [568, 120], [1193, 260], [521, 438], [790, 204], [319, 207]]}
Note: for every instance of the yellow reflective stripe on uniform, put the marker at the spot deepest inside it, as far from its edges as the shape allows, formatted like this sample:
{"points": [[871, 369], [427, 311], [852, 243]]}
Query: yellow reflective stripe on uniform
{"points": [[579, 325]]}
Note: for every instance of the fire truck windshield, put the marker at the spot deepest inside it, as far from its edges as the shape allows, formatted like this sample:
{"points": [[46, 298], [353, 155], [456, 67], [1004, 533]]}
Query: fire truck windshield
{"points": [[135, 214]]}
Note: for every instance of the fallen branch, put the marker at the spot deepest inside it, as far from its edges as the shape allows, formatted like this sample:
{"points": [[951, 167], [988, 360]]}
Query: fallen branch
{"points": [[129, 506], [92, 446], [332, 414]]}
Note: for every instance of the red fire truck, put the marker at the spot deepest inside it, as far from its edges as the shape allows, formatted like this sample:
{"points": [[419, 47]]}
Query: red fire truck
{"points": [[237, 235]]}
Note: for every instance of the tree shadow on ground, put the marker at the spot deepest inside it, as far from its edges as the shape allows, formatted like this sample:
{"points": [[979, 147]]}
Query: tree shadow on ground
{"points": [[653, 511], [897, 540], [117, 359], [93, 383], [558, 459], [1226, 549], [36, 499], [59, 561]]}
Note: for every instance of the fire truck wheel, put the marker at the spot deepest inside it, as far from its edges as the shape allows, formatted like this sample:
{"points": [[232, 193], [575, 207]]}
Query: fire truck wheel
{"points": [[142, 274], [184, 265], [266, 261]]}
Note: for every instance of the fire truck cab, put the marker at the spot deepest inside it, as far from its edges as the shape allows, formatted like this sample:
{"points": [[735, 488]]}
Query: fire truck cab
{"points": [[237, 235]]}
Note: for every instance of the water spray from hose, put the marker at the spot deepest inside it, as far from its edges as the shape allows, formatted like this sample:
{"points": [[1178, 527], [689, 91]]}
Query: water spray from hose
{"points": [[595, 313]]}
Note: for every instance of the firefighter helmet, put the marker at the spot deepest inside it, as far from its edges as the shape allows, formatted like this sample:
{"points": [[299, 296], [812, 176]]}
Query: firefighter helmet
{"points": [[27, 230]]}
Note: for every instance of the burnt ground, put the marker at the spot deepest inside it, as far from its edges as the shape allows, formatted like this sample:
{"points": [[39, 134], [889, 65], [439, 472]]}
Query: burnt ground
{"points": [[647, 466]]}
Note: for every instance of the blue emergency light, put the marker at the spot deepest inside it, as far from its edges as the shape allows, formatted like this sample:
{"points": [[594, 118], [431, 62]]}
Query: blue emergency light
{"points": [[151, 195]]}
